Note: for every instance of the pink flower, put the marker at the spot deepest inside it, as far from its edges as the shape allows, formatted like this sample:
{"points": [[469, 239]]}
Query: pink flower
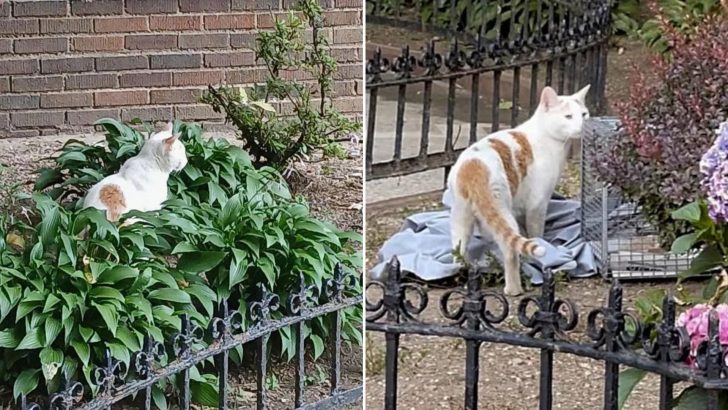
{"points": [[695, 321]]}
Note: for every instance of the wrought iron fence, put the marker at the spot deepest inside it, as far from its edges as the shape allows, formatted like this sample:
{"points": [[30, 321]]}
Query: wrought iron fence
{"points": [[529, 43], [226, 333], [612, 334]]}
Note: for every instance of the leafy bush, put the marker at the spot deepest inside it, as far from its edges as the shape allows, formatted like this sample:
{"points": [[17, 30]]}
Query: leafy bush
{"points": [[229, 228], [631, 17], [273, 140], [668, 125]]}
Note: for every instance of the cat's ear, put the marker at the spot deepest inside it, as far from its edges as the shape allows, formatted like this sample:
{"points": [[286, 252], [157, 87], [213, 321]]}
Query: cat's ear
{"points": [[168, 126], [549, 98], [171, 140], [581, 94]]}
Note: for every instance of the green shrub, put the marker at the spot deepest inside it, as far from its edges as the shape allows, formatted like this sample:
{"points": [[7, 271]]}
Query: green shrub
{"points": [[311, 125], [229, 228]]}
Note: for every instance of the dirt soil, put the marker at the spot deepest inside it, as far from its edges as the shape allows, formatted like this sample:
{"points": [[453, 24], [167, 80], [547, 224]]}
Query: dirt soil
{"points": [[333, 188]]}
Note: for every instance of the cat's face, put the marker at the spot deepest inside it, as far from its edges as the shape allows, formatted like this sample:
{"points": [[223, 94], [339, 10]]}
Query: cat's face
{"points": [[564, 114], [170, 148]]}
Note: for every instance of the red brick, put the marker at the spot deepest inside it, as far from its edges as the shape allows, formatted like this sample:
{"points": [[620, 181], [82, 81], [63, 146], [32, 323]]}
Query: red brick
{"points": [[4, 122], [98, 43], [66, 99], [147, 114], [96, 7], [219, 40], [120, 63], [348, 71], [196, 112], [359, 84], [37, 118], [347, 54], [175, 23], [88, 117], [45, 83], [256, 4], [176, 61], [145, 80], [213, 60], [199, 77], [115, 98], [289, 4], [41, 45], [151, 41], [18, 101], [18, 66], [342, 18], [22, 133], [67, 65], [230, 21], [348, 104], [348, 35], [265, 20], [243, 40], [39, 8], [87, 81], [120, 24], [179, 95], [191, 6], [344, 88], [5, 9], [247, 76], [66, 25], [6, 45], [4, 84], [151, 6], [19, 26]]}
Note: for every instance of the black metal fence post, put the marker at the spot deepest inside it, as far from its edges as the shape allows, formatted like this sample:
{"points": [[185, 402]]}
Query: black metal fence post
{"points": [[473, 306], [392, 300]]}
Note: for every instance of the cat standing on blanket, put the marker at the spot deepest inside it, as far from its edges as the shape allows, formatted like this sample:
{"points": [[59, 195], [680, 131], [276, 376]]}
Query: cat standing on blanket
{"points": [[510, 175], [141, 183]]}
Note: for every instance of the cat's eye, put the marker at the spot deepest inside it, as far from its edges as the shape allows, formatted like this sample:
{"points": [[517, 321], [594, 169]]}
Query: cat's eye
{"points": [[569, 116], [584, 114]]}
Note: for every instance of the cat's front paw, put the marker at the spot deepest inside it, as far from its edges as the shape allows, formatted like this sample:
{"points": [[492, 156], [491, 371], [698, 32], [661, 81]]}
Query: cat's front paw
{"points": [[513, 290]]}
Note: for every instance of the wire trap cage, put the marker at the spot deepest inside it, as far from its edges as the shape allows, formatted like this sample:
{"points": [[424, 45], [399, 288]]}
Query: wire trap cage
{"points": [[627, 246]]}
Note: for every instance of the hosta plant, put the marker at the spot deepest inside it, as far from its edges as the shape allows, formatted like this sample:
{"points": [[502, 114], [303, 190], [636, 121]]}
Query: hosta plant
{"points": [[75, 285]]}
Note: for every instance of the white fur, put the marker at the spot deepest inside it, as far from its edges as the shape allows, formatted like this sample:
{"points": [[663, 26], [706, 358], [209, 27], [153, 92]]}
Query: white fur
{"points": [[549, 132], [143, 178]]}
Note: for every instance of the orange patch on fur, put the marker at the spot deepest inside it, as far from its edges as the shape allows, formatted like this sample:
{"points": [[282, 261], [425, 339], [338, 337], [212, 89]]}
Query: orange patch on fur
{"points": [[113, 198], [524, 156], [506, 156]]}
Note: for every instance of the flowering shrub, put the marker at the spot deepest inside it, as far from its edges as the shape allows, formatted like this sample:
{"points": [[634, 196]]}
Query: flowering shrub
{"points": [[668, 124], [714, 167], [695, 322]]}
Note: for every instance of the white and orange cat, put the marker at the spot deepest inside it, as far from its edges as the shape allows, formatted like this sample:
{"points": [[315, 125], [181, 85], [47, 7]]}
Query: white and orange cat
{"points": [[141, 183], [510, 175]]}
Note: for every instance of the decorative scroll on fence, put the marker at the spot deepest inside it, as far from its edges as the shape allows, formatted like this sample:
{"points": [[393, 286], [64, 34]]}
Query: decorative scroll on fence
{"points": [[116, 383], [534, 42], [614, 336]]}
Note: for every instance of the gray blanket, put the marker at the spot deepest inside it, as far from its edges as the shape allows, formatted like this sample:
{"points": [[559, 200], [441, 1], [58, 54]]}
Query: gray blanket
{"points": [[423, 246]]}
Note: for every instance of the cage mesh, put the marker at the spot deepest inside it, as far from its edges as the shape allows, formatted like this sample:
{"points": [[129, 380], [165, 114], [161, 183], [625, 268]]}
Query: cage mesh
{"points": [[626, 244]]}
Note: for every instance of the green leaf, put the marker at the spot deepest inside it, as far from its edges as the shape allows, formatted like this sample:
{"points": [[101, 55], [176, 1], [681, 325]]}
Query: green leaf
{"points": [[51, 361], [170, 295], [696, 398], [268, 269], [628, 380], [204, 295], [31, 340], [708, 259], [689, 212], [105, 292], [204, 394], [109, 315], [69, 248], [184, 247], [120, 352], [51, 302], [318, 346], [117, 274], [198, 262], [684, 243], [8, 339], [52, 330], [128, 338], [83, 350], [263, 105], [26, 382], [158, 397]]}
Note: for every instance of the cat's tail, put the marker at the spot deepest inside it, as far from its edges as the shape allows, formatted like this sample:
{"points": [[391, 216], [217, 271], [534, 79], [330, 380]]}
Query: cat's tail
{"points": [[473, 185]]}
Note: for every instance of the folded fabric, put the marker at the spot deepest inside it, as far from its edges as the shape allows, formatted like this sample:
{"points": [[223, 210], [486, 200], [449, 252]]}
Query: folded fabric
{"points": [[423, 246]]}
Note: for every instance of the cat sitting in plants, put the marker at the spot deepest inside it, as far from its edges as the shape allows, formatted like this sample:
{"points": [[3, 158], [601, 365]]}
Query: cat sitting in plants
{"points": [[141, 183]]}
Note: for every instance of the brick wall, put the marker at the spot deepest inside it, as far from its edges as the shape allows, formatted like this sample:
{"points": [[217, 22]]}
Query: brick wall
{"points": [[66, 63]]}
